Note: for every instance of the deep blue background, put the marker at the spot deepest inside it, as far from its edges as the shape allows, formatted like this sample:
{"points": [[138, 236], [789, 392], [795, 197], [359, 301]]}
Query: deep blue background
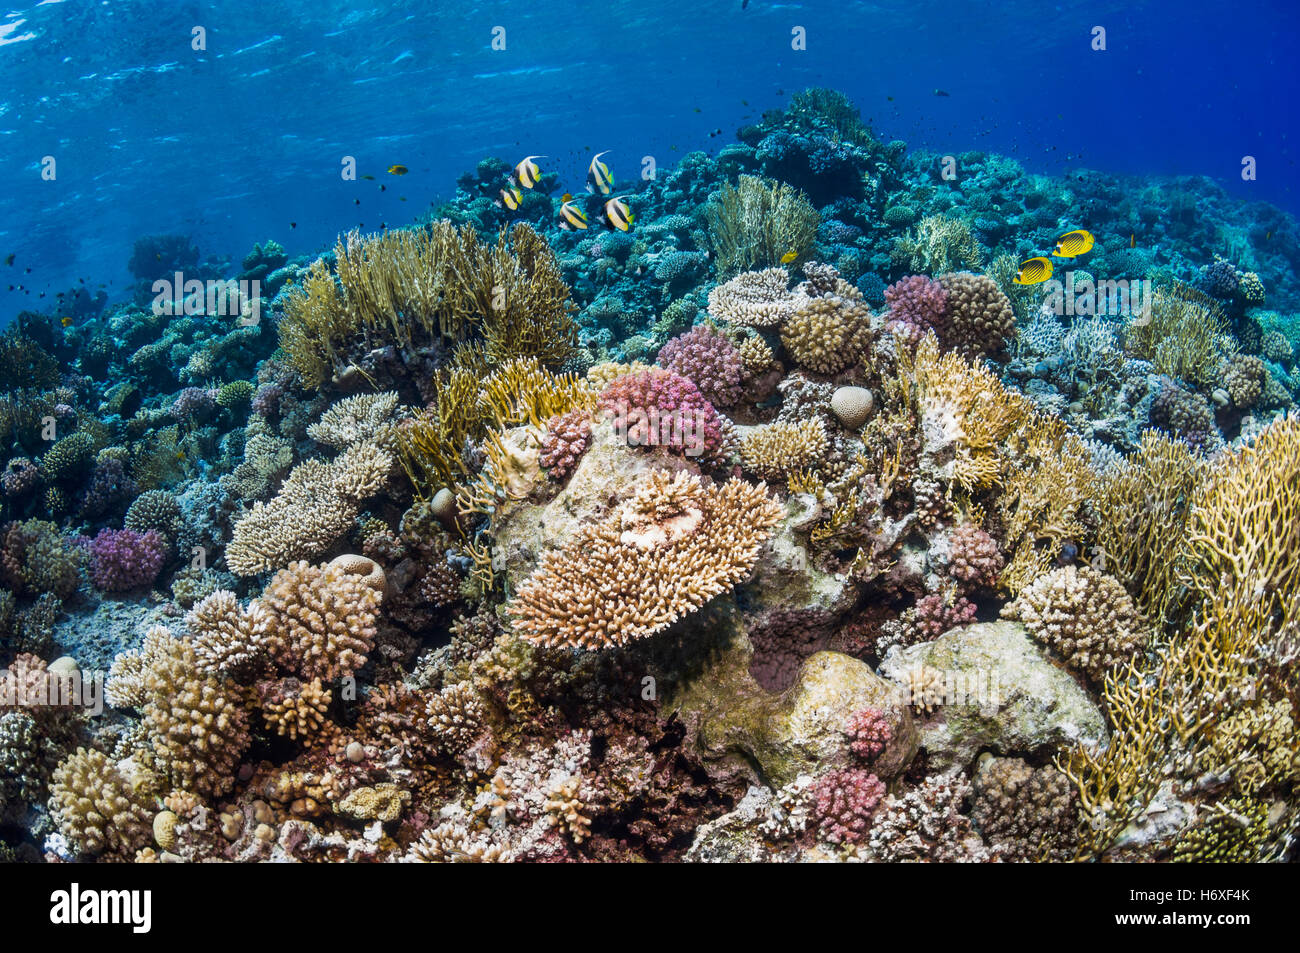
{"points": [[232, 144]]}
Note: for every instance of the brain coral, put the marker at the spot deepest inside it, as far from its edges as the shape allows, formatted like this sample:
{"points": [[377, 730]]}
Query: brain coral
{"points": [[1085, 615], [323, 620], [980, 318], [662, 555], [708, 359]]}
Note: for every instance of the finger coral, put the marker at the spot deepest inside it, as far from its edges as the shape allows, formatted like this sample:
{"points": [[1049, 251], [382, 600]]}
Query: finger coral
{"points": [[1084, 615], [667, 551], [97, 807], [322, 620]]}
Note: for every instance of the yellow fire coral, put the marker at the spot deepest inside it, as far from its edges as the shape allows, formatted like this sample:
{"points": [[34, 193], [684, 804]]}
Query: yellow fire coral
{"points": [[662, 555], [1181, 334], [758, 222], [323, 620]]}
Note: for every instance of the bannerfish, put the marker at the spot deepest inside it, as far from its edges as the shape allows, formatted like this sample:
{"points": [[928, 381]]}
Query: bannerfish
{"points": [[618, 215], [1033, 271], [598, 177], [526, 172], [571, 216], [510, 198]]}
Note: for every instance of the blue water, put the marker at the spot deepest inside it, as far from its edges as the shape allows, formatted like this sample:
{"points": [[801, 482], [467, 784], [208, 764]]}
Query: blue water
{"points": [[232, 144]]}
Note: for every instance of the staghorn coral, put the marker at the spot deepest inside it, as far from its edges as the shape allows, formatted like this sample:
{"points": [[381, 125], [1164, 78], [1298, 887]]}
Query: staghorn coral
{"points": [[1084, 615], [663, 554], [98, 807], [322, 620], [777, 451], [756, 223]]}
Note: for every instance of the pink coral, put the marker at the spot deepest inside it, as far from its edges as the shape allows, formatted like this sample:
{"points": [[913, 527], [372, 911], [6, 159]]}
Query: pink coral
{"points": [[122, 559], [193, 404], [976, 560], [869, 733], [843, 802], [916, 305], [567, 438], [708, 359], [934, 615], [660, 408]]}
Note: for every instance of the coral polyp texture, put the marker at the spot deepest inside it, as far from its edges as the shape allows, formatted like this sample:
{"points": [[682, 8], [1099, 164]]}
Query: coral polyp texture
{"points": [[791, 523]]}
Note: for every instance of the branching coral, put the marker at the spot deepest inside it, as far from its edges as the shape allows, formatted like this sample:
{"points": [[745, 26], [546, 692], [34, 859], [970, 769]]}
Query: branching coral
{"points": [[757, 223], [363, 417], [314, 508], [777, 451], [979, 319], [708, 359], [97, 807], [666, 552], [1084, 615], [228, 638], [938, 243], [1181, 334], [828, 332], [322, 620], [759, 299]]}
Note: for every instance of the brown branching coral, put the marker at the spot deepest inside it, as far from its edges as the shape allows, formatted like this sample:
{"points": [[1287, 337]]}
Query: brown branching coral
{"points": [[228, 638], [323, 620], [316, 506], [294, 708], [980, 319], [1025, 813], [1084, 615], [757, 222], [98, 807], [666, 552], [781, 450], [828, 333]]}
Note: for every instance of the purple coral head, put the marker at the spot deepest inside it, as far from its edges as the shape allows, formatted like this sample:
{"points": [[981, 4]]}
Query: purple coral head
{"points": [[566, 440], [660, 408], [193, 403], [122, 559], [710, 360], [916, 305], [844, 802], [869, 734]]}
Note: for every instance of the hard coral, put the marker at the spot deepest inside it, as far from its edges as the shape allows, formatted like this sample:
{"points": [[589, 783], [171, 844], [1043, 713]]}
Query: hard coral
{"points": [[323, 620], [566, 440], [979, 317], [709, 360], [667, 551], [843, 803], [1084, 615], [661, 408], [124, 559], [916, 304]]}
